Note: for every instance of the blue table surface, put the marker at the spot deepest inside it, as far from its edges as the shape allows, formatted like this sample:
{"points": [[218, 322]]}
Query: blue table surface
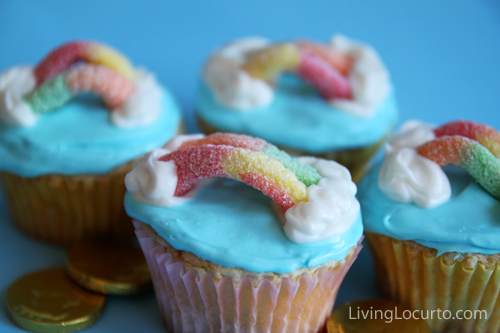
{"points": [[442, 55]]}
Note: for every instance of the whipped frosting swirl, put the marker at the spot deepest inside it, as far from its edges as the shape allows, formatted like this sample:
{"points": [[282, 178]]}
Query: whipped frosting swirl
{"points": [[412, 134], [14, 84], [233, 87], [154, 182], [331, 209], [408, 177], [144, 106], [369, 78]]}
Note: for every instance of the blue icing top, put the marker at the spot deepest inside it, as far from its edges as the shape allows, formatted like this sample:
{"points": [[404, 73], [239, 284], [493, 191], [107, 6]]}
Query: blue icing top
{"points": [[79, 138], [234, 225], [467, 223], [299, 118]]}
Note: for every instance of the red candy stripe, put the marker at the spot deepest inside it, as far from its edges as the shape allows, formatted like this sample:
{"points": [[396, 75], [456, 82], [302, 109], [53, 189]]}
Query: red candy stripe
{"points": [[239, 141], [197, 163], [328, 80], [59, 60]]}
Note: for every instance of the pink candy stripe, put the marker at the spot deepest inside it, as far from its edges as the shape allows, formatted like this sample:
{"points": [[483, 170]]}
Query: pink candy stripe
{"points": [[327, 79], [113, 88]]}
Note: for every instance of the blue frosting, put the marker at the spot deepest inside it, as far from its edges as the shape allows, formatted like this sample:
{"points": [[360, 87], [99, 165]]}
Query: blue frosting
{"points": [[299, 118], [233, 225], [467, 223], [79, 138]]}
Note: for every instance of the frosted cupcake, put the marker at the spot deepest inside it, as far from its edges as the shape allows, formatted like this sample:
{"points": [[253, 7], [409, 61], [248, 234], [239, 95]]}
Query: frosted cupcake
{"points": [[333, 101], [220, 256], [63, 154], [434, 232]]}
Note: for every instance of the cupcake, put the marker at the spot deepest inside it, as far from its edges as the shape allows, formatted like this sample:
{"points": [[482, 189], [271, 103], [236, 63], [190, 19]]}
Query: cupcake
{"points": [[225, 256], [333, 101], [434, 232], [70, 129]]}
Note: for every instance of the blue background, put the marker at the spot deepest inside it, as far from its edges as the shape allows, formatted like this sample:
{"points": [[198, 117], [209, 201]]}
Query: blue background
{"points": [[443, 55]]}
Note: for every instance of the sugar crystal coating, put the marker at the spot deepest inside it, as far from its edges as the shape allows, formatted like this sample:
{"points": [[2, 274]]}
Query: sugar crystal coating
{"points": [[111, 86], [196, 163], [244, 162], [481, 164], [69, 53], [343, 63], [268, 63], [328, 80], [254, 168], [228, 139], [51, 95], [484, 134], [320, 65], [305, 173]]}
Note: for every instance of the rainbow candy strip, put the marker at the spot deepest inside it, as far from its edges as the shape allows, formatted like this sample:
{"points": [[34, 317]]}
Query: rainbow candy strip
{"points": [[321, 66], [305, 173], [246, 161], [67, 54], [110, 85], [336, 60], [467, 153], [484, 134]]}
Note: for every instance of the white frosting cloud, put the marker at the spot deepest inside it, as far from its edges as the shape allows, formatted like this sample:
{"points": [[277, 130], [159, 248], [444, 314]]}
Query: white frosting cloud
{"points": [[144, 106], [406, 176], [412, 134], [154, 182], [14, 84], [331, 209], [369, 78], [232, 86]]}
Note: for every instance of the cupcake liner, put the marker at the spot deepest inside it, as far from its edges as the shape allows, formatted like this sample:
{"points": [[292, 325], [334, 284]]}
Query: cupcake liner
{"points": [[61, 209], [190, 301], [356, 160], [417, 278]]}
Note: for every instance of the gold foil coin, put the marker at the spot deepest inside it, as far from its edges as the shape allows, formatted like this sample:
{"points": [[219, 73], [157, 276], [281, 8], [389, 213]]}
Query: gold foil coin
{"points": [[108, 267], [376, 316], [48, 301]]}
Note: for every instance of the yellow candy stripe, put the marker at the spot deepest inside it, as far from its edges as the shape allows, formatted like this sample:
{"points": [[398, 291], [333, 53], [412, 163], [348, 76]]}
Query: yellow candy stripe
{"points": [[100, 54], [243, 162], [268, 63]]}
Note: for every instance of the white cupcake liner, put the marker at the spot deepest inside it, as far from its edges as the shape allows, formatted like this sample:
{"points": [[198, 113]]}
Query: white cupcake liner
{"points": [[194, 302]]}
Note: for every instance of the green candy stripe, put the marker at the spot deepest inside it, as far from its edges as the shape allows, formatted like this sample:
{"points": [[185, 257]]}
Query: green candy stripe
{"points": [[483, 166], [49, 96], [305, 173]]}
